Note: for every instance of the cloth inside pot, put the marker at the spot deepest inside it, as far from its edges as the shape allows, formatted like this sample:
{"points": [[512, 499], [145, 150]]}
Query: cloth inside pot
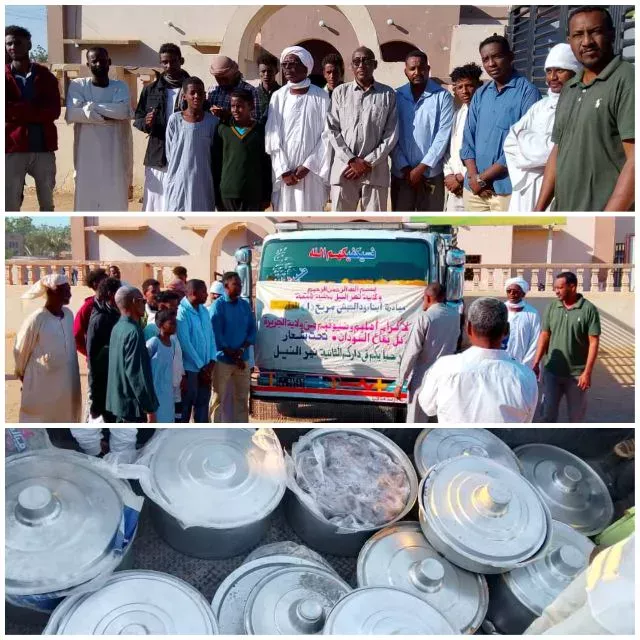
{"points": [[352, 481]]}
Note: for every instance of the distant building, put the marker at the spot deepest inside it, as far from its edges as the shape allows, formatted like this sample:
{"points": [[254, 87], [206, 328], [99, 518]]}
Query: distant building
{"points": [[14, 244]]}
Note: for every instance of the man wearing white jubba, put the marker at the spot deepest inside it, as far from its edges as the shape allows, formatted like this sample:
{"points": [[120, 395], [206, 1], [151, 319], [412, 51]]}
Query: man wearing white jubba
{"points": [[300, 155], [524, 322], [528, 144], [45, 356], [100, 111]]}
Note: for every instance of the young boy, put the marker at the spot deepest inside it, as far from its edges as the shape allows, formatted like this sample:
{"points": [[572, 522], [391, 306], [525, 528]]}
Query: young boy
{"points": [[243, 179], [333, 71]]}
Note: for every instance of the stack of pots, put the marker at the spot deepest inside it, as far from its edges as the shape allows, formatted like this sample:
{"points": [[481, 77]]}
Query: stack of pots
{"points": [[136, 603], [65, 529], [213, 490], [321, 534], [281, 589], [573, 491]]}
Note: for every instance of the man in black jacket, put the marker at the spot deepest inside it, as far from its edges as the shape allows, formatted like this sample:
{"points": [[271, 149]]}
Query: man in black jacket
{"points": [[158, 101]]}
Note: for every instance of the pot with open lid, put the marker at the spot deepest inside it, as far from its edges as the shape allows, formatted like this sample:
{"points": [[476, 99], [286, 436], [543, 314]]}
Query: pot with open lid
{"points": [[346, 484], [385, 611], [294, 600], [231, 596], [66, 526], [438, 444], [520, 596], [482, 516], [213, 489], [573, 491], [136, 603], [399, 556]]}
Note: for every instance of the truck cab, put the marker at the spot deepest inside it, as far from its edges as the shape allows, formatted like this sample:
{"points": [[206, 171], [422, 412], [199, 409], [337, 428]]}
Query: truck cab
{"points": [[335, 305]]}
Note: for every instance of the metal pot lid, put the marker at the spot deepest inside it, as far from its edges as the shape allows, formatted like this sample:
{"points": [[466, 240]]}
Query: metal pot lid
{"points": [[140, 603], [537, 585], [435, 445], [484, 511], [400, 556], [231, 596], [61, 516], [222, 478], [293, 601], [573, 491], [385, 611]]}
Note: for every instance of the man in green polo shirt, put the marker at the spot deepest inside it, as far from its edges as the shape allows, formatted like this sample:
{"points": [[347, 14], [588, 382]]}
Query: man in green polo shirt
{"points": [[570, 338], [592, 164]]}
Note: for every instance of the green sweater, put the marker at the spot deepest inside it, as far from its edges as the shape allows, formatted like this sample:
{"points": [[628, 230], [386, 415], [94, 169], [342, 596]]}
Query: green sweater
{"points": [[243, 168], [130, 392]]}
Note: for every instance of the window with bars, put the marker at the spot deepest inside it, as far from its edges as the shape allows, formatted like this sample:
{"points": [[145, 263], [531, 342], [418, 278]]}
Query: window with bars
{"points": [[534, 29]]}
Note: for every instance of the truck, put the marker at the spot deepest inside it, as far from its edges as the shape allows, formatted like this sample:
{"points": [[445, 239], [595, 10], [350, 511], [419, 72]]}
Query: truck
{"points": [[335, 304]]}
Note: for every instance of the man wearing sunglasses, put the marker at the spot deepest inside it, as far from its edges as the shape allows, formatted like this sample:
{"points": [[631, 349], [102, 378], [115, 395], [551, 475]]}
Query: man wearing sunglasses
{"points": [[362, 127]]}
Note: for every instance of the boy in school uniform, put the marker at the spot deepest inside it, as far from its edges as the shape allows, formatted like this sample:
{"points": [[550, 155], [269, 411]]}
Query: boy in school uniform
{"points": [[243, 170]]}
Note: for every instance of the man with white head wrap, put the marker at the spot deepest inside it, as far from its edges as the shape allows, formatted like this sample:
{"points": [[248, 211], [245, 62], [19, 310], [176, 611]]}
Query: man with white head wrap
{"points": [[229, 79], [300, 156], [45, 356], [528, 144], [524, 323]]}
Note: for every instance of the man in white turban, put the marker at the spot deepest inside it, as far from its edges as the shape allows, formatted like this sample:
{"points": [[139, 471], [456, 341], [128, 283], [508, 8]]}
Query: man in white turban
{"points": [[524, 323], [45, 356], [300, 156], [528, 144]]}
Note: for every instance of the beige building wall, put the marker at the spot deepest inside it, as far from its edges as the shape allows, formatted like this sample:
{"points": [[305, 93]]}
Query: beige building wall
{"points": [[493, 244]]}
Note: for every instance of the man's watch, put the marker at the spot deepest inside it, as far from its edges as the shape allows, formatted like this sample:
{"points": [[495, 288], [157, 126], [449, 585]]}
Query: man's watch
{"points": [[481, 183]]}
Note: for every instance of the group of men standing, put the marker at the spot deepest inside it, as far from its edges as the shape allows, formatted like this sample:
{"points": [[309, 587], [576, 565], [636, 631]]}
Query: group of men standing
{"points": [[503, 148], [496, 379], [152, 355]]}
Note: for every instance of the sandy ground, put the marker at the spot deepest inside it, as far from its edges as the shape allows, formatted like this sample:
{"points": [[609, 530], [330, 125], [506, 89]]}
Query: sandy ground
{"points": [[63, 202]]}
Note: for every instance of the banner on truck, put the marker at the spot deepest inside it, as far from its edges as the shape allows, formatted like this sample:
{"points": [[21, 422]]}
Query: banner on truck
{"points": [[334, 328]]}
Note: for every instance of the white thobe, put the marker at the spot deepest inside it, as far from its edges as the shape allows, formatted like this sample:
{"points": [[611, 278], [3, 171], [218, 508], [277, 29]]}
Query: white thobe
{"points": [[527, 148], [46, 359], [524, 331], [479, 385], [452, 162], [103, 144], [293, 138]]}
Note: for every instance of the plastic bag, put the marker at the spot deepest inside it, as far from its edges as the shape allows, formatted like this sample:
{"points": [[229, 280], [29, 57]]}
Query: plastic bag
{"points": [[21, 440], [348, 480]]}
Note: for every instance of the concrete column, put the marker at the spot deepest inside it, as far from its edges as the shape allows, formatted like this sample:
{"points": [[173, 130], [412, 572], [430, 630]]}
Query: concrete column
{"points": [[78, 239], [55, 33], [8, 273]]}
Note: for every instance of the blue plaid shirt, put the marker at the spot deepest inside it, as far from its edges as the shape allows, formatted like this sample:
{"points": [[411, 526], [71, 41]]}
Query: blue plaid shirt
{"points": [[221, 97]]}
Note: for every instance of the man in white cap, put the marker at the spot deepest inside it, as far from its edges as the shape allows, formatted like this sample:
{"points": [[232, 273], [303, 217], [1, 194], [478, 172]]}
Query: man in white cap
{"points": [[300, 156], [45, 357], [524, 323], [215, 291], [528, 145], [363, 130]]}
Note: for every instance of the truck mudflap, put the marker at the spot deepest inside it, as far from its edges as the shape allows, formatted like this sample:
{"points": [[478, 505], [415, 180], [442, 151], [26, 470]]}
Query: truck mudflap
{"points": [[287, 385]]}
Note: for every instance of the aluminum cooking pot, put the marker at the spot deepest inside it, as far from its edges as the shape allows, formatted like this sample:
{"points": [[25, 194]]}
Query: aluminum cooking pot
{"points": [[66, 526], [482, 516], [213, 490], [324, 536], [519, 597], [136, 603]]}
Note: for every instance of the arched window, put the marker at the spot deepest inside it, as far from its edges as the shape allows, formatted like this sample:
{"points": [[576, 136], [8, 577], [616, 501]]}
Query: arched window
{"points": [[396, 50]]}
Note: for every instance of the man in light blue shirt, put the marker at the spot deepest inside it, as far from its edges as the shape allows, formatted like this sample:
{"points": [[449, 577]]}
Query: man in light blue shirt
{"points": [[198, 351], [425, 117], [494, 109], [234, 329]]}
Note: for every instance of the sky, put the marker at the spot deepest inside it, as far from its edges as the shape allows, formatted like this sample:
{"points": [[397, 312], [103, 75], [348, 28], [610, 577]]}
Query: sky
{"points": [[52, 221], [31, 17]]}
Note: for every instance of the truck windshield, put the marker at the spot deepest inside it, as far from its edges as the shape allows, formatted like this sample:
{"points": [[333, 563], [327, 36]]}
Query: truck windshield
{"points": [[403, 261]]}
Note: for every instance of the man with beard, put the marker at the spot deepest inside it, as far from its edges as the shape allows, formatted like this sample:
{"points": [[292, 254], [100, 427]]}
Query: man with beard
{"points": [[425, 116], [32, 106], [229, 79], [100, 111], [300, 155], [592, 164], [158, 101], [524, 323], [362, 127], [495, 107], [570, 339]]}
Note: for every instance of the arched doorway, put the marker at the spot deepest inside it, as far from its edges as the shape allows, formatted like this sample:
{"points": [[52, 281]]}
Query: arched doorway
{"points": [[396, 50], [318, 49]]}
